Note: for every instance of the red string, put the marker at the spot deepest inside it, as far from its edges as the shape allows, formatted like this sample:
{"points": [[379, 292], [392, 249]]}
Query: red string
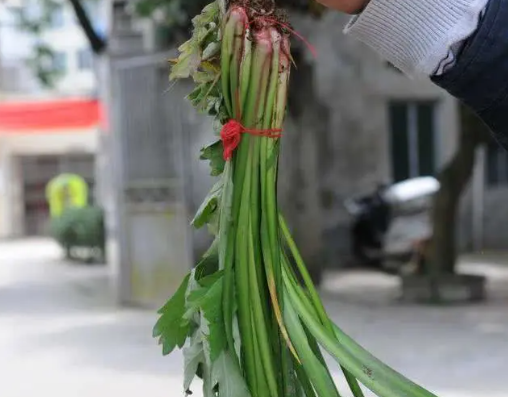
{"points": [[231, 135]]}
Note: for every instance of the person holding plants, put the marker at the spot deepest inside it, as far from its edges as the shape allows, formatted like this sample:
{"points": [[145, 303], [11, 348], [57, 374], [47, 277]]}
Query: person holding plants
{"points": [[462, 45]]}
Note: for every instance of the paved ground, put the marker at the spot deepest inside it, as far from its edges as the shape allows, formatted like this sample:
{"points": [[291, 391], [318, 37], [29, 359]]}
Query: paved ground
{"points": [[61, 336]]}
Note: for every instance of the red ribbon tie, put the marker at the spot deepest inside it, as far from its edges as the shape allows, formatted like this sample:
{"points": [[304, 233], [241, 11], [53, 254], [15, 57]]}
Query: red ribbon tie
{"points": [[231, 135]]}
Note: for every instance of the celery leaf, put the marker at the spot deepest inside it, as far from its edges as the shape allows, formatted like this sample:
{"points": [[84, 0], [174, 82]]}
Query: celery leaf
{"points": [[209, 206], [214, 153], [171, 328], [227, 376]]}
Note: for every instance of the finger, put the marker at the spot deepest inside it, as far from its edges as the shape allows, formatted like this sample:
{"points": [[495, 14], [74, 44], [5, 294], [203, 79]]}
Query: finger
{"points": [[347, 6]]}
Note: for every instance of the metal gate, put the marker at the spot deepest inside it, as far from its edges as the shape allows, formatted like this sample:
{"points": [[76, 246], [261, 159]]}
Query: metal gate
{"points": [[149, 223]]}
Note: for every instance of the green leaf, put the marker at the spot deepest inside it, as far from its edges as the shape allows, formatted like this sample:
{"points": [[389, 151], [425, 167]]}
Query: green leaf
{"points": [[190, 57], [187, 63], [209, 263], [212, 309], [213, 224], [209, 14], [214, 153], [194, 356], [171, 328], [227, 376], [206, 97], [211, 50], [208, 300], [204, 77], [209, 206]]}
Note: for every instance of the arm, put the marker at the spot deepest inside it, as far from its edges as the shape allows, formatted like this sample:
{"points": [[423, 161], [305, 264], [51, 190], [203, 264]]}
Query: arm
{"points": [[480, 76], [461, 44]]}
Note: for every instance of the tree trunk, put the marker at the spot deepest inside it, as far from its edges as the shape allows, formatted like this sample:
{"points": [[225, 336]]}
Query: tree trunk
{"points": [[442, 256]]}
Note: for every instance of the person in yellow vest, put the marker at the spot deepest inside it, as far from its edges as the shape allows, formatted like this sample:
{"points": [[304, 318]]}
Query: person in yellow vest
{"points": [[66, 191]]}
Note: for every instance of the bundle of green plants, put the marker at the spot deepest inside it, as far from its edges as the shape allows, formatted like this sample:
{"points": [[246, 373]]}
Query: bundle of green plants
{"points": [[248, 317]]}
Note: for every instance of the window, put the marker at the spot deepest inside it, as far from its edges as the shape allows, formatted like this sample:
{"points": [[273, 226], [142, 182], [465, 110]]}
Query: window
{"points": [[497, 165], [85, 59], [412, 125], [60, 61]]}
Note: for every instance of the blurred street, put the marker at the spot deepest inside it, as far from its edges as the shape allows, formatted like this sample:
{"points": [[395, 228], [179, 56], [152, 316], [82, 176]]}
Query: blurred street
{"points": [[60, 334]]}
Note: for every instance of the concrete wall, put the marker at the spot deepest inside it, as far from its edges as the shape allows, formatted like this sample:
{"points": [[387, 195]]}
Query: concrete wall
{"points": [[344, 106]]}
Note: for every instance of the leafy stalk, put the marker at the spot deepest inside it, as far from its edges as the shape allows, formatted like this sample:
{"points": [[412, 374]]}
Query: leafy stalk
{"points": [[252, 329], [235, 17]]}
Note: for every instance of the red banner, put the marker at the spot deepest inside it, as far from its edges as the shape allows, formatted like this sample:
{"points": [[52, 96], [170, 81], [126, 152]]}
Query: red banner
{"points": [[49, 116]]}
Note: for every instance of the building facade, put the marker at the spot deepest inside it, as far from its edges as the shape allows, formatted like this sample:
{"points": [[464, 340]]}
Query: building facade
{"points": [[44, 131], [72, 58]]}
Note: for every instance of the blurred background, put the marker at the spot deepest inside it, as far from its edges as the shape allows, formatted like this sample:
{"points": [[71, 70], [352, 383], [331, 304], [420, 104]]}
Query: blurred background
{"points": [[395, 193]]}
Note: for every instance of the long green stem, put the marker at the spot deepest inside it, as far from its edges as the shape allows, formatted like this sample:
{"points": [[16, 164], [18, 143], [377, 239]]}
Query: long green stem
{"points": [[316, 300], [261, 383], [260, 326], [377, 379], [231, 56], [227, 232], [242, 282], [314, 369], [246, 199]]}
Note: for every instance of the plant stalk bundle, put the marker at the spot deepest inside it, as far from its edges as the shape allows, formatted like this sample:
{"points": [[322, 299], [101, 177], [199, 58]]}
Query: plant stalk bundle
{"points": [[248, 316]]}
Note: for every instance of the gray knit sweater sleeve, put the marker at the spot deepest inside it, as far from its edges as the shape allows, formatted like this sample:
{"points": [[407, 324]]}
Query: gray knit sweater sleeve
{"points": [[417, 36]]}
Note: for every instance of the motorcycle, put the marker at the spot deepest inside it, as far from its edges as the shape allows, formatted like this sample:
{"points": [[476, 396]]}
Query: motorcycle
{"points": [[389, 225]]}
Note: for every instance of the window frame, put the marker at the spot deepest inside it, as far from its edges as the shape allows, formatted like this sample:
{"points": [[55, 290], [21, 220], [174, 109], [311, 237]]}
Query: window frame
{"points": [[413, 135]]}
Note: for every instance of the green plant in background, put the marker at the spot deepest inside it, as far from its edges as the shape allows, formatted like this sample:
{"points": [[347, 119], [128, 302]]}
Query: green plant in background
{"points": [[248, 325], [81, 228], [74, 224]]}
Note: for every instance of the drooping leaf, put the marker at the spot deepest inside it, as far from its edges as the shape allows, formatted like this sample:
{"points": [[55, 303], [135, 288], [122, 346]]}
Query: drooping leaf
{"points": [[227, 376], [214, 153], [187, 63], [212, 309], [208, 300], [209, 206], [194, 356], [209, 388], [171, 328]]}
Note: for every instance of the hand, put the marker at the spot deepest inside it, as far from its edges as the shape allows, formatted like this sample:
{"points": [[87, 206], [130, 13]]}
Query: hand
{"points": [[347, 6]]}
